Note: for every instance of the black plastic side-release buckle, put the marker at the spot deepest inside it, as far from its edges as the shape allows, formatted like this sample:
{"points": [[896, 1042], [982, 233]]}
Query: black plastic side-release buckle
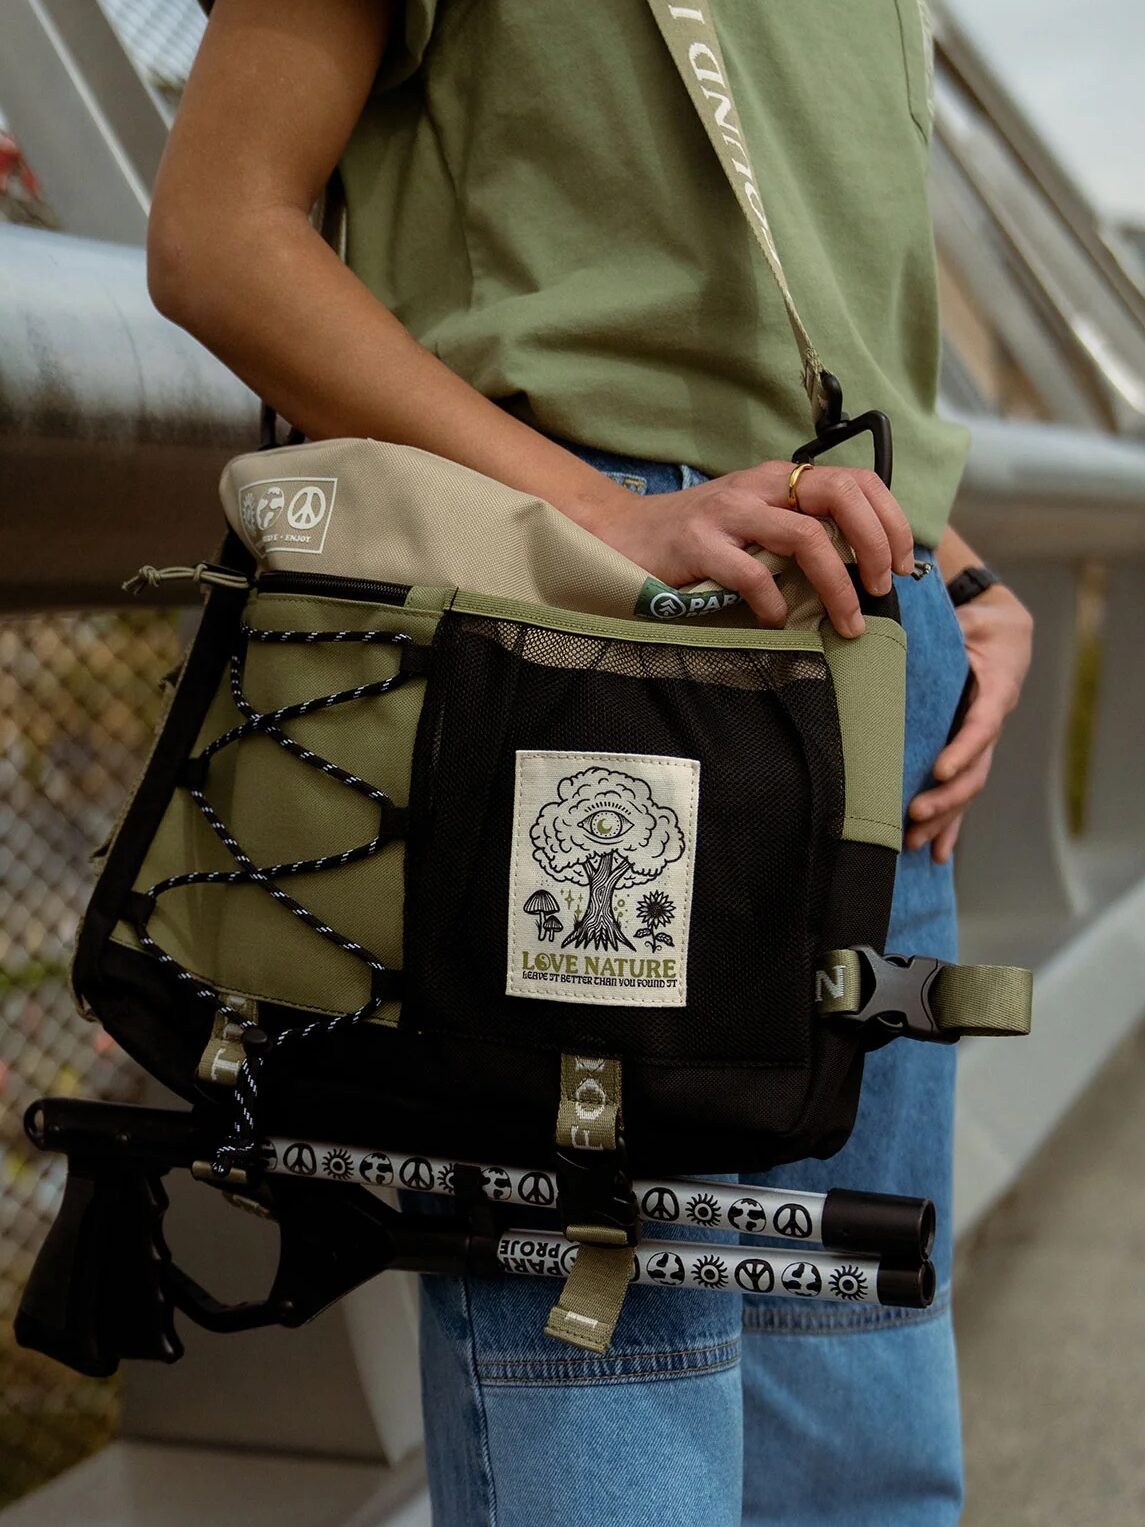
{"points": [[835, 426], [900, 988], [595, 1190]]}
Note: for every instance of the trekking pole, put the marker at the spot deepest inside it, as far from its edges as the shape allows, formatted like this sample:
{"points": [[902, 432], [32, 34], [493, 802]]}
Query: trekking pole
{"points": [[104, 1285], [840, 1220], [815, 1274]]}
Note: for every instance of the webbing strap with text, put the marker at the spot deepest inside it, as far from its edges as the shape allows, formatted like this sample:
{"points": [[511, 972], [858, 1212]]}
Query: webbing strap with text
{"points": [[695, 49]]}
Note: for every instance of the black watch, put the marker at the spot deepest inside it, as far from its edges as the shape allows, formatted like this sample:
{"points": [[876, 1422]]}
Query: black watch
{"points": [[969, 583]]}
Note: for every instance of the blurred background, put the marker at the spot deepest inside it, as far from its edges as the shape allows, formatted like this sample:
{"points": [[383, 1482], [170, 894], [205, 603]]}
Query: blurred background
{"points": [[113, 427]]}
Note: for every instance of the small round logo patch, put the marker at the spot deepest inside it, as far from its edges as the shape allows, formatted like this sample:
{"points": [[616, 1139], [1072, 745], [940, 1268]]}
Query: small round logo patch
{"points": [[667, 605]]}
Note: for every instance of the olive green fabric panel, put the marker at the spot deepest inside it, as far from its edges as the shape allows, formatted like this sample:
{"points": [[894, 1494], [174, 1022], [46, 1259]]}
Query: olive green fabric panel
{"points": [[435, 597], [280, 810], [869, 674]]}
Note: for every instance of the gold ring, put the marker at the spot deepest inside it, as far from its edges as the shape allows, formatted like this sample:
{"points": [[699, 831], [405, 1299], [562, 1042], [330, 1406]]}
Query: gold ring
{"points": [[793, 483]]}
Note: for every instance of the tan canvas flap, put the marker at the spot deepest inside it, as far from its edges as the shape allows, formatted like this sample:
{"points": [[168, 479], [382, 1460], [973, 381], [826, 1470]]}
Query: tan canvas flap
{"points": [[363, 508]]}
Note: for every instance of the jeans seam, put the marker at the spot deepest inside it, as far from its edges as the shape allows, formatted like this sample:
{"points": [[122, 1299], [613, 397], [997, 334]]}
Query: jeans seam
{"points": [[670, 1363], [853, 1324], [482, 1417]]}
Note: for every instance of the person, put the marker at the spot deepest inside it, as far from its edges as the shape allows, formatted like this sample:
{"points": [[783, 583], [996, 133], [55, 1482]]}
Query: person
{"points": [[550, 282]]}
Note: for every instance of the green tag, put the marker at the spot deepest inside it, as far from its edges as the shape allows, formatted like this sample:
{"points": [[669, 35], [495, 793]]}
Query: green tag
{"points": [[661, 601]]}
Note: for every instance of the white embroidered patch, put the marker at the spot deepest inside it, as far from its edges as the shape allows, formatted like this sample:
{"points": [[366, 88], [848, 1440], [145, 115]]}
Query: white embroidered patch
{"points": [[600, 884]]}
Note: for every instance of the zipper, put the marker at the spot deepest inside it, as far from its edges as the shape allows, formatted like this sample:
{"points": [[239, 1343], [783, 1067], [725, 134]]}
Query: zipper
{"points": [[334, 585]]}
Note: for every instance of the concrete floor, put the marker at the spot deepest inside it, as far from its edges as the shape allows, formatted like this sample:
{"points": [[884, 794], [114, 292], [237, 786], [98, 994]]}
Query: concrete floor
{"points": [[1050, 1315]]}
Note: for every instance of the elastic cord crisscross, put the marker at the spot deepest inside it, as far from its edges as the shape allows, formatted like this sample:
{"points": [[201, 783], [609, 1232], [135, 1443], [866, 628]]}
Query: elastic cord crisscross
{"points": [[240, 1149]]}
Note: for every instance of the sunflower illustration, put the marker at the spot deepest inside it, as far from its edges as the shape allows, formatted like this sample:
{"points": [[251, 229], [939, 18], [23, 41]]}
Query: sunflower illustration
{"points": [[655, 911]]}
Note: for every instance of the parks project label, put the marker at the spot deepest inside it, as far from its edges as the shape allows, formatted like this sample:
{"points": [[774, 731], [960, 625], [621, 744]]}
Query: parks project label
{"points": [[600, 885]]}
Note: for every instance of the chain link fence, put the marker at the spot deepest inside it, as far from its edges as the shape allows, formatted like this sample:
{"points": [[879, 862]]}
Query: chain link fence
{"points": [[79, 695]]}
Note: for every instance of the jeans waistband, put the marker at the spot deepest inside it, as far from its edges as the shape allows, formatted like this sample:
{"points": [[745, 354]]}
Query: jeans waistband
{"points": [[638, 473]]}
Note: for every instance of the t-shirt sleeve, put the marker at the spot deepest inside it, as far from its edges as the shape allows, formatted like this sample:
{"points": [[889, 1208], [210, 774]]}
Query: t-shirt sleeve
{"points": [[410, 32]]}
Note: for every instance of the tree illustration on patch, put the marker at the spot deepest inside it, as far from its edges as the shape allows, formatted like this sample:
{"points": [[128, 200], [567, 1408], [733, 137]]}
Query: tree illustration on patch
{"points": [[604, 831]]}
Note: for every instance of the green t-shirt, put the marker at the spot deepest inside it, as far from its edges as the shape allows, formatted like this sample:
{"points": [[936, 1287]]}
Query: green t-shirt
{"points": [[530, 190]]}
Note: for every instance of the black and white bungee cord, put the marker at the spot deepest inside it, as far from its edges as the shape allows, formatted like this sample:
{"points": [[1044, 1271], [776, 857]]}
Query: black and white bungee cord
{"points": [[241, 1149]]}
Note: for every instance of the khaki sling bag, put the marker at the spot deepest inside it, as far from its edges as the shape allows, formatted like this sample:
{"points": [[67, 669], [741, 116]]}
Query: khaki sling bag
{"points": [[464, 829]]}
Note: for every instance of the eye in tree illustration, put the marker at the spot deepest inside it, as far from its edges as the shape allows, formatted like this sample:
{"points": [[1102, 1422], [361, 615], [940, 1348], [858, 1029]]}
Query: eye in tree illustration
{"points": [[605, 831], [655, 910]]}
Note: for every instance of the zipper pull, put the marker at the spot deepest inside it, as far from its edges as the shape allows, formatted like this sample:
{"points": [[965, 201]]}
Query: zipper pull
{"points": [[202, 573], [921, 569]]}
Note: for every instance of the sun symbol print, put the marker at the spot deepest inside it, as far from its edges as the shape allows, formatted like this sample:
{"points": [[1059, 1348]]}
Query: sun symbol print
{"points": [[711, 1271], [848, 1282], [337, 1164], [703, 1209]]}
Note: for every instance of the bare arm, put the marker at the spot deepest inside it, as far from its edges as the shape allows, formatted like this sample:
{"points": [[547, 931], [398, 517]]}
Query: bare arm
{"points": [[232, 257], [272, 99]]}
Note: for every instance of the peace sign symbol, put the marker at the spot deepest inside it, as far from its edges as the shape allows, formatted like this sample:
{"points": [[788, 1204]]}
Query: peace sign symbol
{"points": [[792, 1220], [416, 1173], [661, 1203], [300, 1159], [307, 508], [756, 1276], [537, 1188]]}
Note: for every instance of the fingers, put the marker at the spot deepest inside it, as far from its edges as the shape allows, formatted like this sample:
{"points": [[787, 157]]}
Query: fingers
{"points": [[980, 729], [943, 831], [804, 539], [931, 811], [739, 570], [893, 521], [869, 517], [946, 839]]}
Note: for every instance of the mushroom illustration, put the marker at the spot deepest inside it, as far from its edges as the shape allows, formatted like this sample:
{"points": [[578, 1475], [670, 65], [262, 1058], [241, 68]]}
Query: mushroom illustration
{"points": [[553, 926], [540, 905]]}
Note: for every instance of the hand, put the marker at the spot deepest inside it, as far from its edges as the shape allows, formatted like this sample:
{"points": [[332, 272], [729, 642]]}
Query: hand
{"points": [[999, 641], [702, 532]]}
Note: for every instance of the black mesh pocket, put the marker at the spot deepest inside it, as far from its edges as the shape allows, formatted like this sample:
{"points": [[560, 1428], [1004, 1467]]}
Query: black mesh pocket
{"points": [[593, 861]]}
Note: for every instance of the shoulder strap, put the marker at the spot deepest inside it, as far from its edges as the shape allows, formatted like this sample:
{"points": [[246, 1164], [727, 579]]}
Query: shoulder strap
{"points": [[695, 50]]}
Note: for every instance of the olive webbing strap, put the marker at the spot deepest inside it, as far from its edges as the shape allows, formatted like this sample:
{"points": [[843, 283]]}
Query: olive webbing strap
{"points": [[695, 48], [962, 999], [589, 1120]]}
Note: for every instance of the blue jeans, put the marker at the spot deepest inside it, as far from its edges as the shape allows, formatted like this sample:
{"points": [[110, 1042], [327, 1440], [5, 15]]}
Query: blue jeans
{"points": [[716, 1409]]}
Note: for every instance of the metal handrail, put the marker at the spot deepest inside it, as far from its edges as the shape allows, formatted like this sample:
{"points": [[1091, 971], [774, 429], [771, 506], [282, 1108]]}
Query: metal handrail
{"points": [[958, 59], [110, 449]]}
